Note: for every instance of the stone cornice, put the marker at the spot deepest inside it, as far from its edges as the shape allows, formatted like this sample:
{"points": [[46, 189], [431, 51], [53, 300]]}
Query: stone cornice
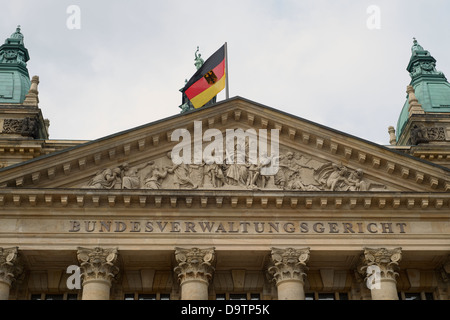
{"points": [[377, 161], [326, 200]]}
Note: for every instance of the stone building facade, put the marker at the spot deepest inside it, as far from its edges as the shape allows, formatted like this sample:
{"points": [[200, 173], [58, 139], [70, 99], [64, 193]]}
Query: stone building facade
{"points": [[118, 218]]}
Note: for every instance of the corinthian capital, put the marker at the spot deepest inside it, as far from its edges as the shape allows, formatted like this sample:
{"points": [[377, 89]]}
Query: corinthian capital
{"points": [[386, 259], [194, 264], [10, 265], [98, 263], [288, 264]]}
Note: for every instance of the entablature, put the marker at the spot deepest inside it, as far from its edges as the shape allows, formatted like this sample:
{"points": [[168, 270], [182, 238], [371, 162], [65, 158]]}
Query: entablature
{"points": [[231, 199]]}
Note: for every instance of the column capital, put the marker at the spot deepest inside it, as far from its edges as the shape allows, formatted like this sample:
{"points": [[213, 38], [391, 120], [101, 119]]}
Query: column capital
{"points": [[10, 265], [195, 264], [386, 259], [98, 263], [444, 270], [288, 264]]}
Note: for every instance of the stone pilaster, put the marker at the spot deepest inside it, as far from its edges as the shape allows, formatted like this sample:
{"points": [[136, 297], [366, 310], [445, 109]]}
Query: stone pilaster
{"points": [[10, 269], [288, 269], [98, 268], [380, 266], [195, 270]]}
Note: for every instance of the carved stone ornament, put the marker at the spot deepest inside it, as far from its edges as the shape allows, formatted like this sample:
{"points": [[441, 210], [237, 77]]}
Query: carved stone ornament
{"points": [[444, 270], [295, 172], [10, 265], [386, 259], [27, 127], [288, 264], [195, 264], [421, 134], [98, 263]]}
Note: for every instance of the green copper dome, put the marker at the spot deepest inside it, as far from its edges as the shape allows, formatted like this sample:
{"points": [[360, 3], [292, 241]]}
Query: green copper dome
{"points": [[431, 86], [14, 78]]}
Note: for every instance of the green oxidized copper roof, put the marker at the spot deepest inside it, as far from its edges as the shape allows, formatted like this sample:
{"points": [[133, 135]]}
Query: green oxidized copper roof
{"points": [[14, 78], [431, 86]]}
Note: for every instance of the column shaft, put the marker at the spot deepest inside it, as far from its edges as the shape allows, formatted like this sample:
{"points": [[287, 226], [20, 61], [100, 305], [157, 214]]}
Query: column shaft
{"points": [[96, 289], [194, 290], [291, 290], [4, 290]]}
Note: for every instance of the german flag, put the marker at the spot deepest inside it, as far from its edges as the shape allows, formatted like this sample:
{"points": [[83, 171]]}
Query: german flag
{"points": [[208, 81]]}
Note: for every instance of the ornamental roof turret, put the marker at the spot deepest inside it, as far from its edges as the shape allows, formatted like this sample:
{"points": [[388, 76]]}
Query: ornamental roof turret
{"points": [[430, 87], [14, 78]]}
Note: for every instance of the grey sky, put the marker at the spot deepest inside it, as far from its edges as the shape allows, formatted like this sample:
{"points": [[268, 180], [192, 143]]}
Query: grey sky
{"points": [[314, 59]]}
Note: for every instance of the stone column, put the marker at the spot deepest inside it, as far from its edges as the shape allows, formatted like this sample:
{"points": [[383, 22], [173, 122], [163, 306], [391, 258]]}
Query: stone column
{"points": [[288, 269], [10, 269], [380, 266], [195, 270], [98, 268]]}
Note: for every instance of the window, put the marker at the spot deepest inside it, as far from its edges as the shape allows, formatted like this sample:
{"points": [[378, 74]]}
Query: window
{"points": [[54, 297], [129, 296], [429, 296], [165, 296], [309, 296], [58, 296], [72, 296], [412, 296], [255, 296], [146, 296], [238, 296], [415, 295], [326, 296], [343, 295]]}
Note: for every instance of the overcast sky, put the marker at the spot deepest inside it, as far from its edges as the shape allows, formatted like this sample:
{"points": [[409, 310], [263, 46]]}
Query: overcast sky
{"points": [[337, 63]]}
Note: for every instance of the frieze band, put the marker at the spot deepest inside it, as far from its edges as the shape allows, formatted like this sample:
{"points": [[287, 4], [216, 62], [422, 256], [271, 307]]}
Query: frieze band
{"points": [[296, 172], [235, 227]]}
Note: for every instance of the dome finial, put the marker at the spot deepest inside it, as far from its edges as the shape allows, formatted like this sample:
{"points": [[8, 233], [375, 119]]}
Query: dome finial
{"points": [[416, 46]]}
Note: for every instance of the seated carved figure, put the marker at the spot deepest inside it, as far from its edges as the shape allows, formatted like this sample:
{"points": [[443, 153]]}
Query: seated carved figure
{"points": [[130, 176], [105, 179]]}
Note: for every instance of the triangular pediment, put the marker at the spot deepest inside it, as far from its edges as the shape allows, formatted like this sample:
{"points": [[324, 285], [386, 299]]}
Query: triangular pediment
{"points": [[312, 157]]}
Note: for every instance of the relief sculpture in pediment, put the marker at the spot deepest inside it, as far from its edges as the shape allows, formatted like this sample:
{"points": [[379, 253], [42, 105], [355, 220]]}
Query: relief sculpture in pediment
{"points": [[295, 172]]}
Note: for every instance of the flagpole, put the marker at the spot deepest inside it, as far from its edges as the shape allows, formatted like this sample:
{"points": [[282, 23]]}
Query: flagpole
{"points": [[227, 90]]}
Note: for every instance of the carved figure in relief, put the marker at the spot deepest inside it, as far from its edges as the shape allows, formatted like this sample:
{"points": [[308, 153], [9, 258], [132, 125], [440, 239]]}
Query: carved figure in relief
{"points": [[286, 170], [105, 179], [256, 180], [236, 168], [213, 173], [333, 177], [356, 181], [130, 175], [296, 172], [182, 174], [154, 177]]}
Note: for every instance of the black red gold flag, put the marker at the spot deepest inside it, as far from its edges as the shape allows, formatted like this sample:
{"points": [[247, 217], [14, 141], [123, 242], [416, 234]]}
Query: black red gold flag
{"points": [[208, 81]]}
